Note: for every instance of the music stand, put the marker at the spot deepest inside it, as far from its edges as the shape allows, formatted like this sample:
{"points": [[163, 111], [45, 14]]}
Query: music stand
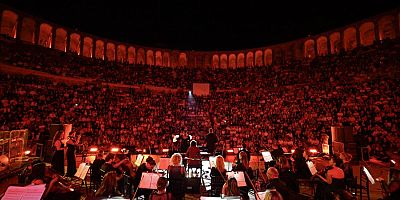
{"points": [[79, 178], [147, 181]]}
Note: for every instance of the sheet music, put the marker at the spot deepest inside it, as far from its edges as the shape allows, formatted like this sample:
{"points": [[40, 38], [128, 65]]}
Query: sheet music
{"points": [[80, 170], [84, 172], [149, 181], [311, 167], [228, 166], [163, 164], [369, 176], [139, 159], [31, 192], [267, 156], [239, 177], [212, 161]]}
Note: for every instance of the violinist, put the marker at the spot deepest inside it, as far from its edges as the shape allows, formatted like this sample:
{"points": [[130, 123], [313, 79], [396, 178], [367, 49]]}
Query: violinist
{"points": [[332, 179]]}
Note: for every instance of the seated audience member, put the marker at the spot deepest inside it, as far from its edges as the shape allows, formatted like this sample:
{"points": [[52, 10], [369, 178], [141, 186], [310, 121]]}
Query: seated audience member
{"points": [[230, 188], [161, 192], [273, 195], [108, 187], [244, 167], [300, 166], [275, 183], [146, 167], [286, 174], [218, 175], [177, 177], [332, 181], [193, 155]]}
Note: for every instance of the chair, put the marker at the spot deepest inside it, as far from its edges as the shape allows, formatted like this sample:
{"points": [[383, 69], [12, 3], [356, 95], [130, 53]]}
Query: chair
{"points": [[217, 182]]}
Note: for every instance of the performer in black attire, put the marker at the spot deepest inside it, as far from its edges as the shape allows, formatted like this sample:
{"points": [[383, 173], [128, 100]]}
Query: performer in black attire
{"points": [[71, 161], [144, 167], [211, 140], [57, 161]]}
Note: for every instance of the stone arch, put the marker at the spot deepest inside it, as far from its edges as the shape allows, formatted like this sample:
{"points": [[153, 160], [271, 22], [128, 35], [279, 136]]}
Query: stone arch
{"points": [[240, 60], [75, 43], [110, 53], [322, 46], [309, 51], [166, 61], [268, 57], [232, 61], [9, 22], [28, 30], [88, 47], [99, 53], [367, 33], [215, 61], [386, 28], [223, 59], [45, 35], [121, 53], [349, 39], [249, 59], [158, 58], [259, 58], [182, 60], [131, 55], [149, 57], [140, 57], [61, 39], [334, 39]]}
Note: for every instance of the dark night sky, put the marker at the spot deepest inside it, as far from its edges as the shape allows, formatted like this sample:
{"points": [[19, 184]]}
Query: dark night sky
{"points": [[201, 24]]}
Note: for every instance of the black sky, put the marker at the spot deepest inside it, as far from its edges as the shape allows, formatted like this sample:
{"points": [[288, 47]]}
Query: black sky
{"points": [[201, 24]]}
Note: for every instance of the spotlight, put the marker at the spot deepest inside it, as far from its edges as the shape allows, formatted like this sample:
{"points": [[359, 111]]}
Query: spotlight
{"points": [[94, 149], [165, 150], [27, 152], [314, 151], [190, 92], [114, 149], [292, 150]]}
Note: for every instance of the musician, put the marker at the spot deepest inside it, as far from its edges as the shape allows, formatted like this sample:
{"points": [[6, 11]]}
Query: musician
{"points": [[211, 141], [148, 167], [109, 185], [71, 161], [230, 188], [57, 161], [331, 180], [300, 166], [218, 175], [177, 177], [244, 167], [95, 168], [286, 174], [244, 149], [193, 155], [346, 166], [274, 182], [161, 192]]}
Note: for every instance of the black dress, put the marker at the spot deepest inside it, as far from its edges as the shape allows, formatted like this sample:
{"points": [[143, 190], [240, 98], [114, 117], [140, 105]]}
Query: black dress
{"points": [[57, 162], [71, 162]]}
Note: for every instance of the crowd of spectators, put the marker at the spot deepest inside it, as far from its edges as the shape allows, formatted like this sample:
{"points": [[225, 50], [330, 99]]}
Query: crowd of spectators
{"points": [[289, 105]]}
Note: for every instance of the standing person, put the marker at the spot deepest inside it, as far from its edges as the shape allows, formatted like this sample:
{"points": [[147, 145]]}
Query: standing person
{"points": [[211, 140], [193, 155], [57, 161], [71, 161]]}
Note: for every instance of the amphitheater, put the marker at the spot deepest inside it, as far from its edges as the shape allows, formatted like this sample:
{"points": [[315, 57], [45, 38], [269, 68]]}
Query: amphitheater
{"points": [[130, 100]]}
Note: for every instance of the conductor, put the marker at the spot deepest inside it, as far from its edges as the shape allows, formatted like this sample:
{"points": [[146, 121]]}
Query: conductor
{"points": [[211, 140]]}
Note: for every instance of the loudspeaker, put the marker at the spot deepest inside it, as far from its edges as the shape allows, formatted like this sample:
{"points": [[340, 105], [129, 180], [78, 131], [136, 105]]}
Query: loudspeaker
{"points": [[342, 134]]}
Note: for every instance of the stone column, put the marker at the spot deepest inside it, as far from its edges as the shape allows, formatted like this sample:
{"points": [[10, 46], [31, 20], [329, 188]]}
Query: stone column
{"points": [[53, 37], [19, 28], [81, 45], [376, 30], [68, 42]]}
